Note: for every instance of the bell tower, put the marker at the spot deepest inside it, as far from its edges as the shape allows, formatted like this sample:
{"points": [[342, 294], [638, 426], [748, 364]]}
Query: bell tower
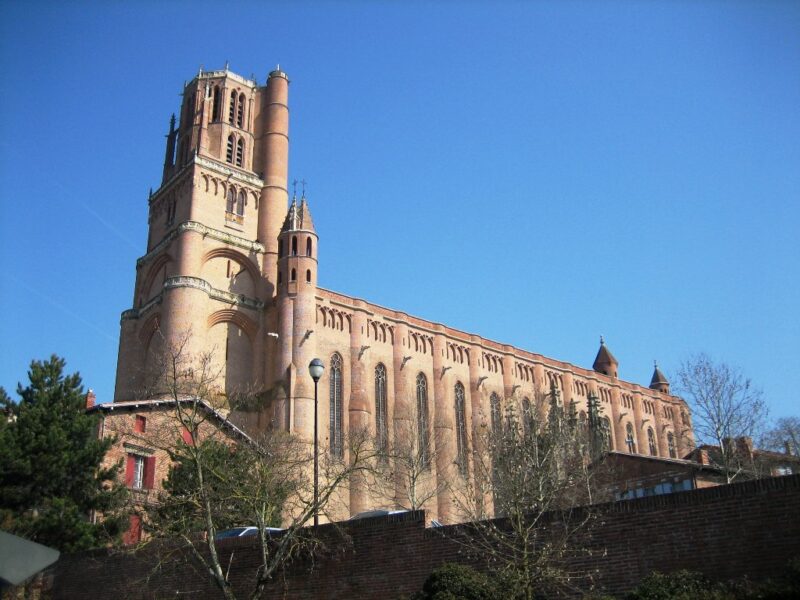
{"points": [[208, 279]]}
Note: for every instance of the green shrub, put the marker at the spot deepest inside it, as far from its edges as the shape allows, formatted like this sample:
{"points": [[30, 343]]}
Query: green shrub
{"points": [[680, 585], [457, 582]]}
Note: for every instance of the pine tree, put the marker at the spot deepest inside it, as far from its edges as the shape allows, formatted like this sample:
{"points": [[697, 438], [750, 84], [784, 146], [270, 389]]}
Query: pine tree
{"points": [[51, 474]]}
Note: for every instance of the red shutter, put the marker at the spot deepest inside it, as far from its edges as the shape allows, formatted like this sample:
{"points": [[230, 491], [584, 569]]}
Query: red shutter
{"points": [[134, 533], [141, 424], [149, 472], [129, 468], [187, 436]]}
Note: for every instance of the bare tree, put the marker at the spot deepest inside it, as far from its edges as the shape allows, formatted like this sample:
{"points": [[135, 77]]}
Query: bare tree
{"points": [[531, 473], [407, 472], [783, 436], [725, 406], [218, 481]]}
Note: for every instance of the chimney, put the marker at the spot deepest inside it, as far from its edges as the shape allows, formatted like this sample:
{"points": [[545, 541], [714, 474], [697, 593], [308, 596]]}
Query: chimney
{"points": [[702, 457], [91, 399], [744, 446]]}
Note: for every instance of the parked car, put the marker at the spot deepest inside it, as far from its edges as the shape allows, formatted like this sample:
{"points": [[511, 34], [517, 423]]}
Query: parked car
{"points": [[247, 531], [379, 512]]}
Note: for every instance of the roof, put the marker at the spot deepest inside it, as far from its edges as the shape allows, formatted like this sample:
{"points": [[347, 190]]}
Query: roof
{"points": [[658, 377], [604, 357], [222, 419], [298, 217]]}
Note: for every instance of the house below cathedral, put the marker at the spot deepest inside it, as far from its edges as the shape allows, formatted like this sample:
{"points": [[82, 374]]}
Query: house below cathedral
{"points": [[230, 273]]}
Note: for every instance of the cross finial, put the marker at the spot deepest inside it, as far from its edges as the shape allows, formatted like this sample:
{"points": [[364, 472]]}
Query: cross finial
{"points": [[655, 363], [602, 341], [294, 189], [303, 183]]}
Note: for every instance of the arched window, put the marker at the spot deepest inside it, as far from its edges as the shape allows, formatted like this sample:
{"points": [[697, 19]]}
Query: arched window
{"points": [[461, 429], [629, 441], [229, 151], [651, 442], [240, 112], [308, 246], [497, 417], [671, 445], [215, 106], [232, 109], [294, 276], [381, 421], [240, 152], [527, 416], [308, 275], [337, 448], [422, 419], [240, 203], [231, 204], [294, 245]]}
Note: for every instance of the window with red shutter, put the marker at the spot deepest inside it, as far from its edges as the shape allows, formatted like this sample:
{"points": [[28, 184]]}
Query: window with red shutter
{"points": [[187, 436], [134, 533], [130, 466]]}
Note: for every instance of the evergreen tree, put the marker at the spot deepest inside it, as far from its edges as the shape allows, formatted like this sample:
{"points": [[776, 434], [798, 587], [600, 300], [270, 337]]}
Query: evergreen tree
{"points": [[51, 476]]}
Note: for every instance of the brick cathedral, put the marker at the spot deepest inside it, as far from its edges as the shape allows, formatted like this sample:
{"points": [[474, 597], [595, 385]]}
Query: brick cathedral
{"points": [[231, 270]]}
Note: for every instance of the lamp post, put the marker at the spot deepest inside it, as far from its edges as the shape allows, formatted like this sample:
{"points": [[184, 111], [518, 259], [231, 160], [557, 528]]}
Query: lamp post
{"points": [[316, 368]]}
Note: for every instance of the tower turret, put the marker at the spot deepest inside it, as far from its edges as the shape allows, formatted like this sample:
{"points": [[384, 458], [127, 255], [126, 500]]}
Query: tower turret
{"points": [[169, 154], [659, 381], [605, 362], [297, 286]]}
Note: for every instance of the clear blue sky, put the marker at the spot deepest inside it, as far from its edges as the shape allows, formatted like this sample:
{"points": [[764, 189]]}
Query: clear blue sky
{"points": [[537, 173]]}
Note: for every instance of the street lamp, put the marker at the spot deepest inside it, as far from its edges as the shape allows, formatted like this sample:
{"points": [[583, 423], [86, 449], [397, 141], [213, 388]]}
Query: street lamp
{"points": [[316, 368]]}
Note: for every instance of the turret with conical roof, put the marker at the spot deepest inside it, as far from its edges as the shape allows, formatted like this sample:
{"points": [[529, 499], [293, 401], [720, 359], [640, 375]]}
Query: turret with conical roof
{"points": [[659, 381], [605, 362]]}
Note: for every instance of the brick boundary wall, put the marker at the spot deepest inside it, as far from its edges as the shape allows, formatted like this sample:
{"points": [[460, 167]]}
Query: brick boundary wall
{"points": [[750, 528]]}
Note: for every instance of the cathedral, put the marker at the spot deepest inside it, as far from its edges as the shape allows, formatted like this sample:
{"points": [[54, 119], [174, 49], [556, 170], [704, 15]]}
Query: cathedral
{"points": [[231, 270]]}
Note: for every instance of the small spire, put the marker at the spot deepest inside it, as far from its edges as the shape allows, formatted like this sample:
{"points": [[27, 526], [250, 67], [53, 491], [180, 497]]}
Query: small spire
{"points": [[200, 70], [602, 341], [303, 183], [294, 190], [278, 67], [151, 192], [172, 123], [227, 64]]}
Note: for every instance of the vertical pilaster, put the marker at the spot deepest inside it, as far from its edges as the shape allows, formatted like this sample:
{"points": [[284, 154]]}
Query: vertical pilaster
{"points": [[443, 426], [359, 413]]}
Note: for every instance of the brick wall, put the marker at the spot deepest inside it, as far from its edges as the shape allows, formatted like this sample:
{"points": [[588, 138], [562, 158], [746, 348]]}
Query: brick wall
{"points": [[750, 528]]}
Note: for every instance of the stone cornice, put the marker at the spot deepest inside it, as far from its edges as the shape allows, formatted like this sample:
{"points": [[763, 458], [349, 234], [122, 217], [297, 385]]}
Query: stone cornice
{"points": [[214, 234], [184, 281], [227, 171], [135, 313]]}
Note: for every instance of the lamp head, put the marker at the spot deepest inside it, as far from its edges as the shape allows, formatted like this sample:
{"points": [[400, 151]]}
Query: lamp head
{"points": [[316, 368]]}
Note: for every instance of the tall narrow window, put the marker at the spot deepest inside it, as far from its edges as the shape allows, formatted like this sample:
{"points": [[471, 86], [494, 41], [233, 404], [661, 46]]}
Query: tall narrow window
{"points": [[527, 416], [671, 445], [294, 245], [229, 151], [381, 422], [240, 152], [240, 203], [294, 275], [216, 105], [308, 246], [240, 112], [461, 429], [605, 433], [231, 204], [497, 417], [629, 441], [232, 109], [651, 441], [308, 275], [422, 419], [280, 248], [337, 448]]}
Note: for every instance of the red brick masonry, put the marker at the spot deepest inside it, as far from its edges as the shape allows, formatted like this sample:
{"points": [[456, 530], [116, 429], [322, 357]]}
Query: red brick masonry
{"points": [[750, 528]]}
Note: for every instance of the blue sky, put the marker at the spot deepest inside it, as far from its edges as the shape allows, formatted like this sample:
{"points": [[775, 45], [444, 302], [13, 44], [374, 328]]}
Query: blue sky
{"points": [[539, 173]]}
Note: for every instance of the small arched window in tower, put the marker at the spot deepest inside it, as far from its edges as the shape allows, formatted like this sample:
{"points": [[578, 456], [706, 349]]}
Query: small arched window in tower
{"points": [[381, 421], [497, 417], [294, 276], [232, 109], [231, 203], [294, 245], [461, 429], [240, 112], [229, 150], [240, 203], [240, 152], [215, 106], [336, 411], [308, 246], [308, 275], [651, 442], [280, 248], [671, 445], [629, 441], [422, 420]]}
